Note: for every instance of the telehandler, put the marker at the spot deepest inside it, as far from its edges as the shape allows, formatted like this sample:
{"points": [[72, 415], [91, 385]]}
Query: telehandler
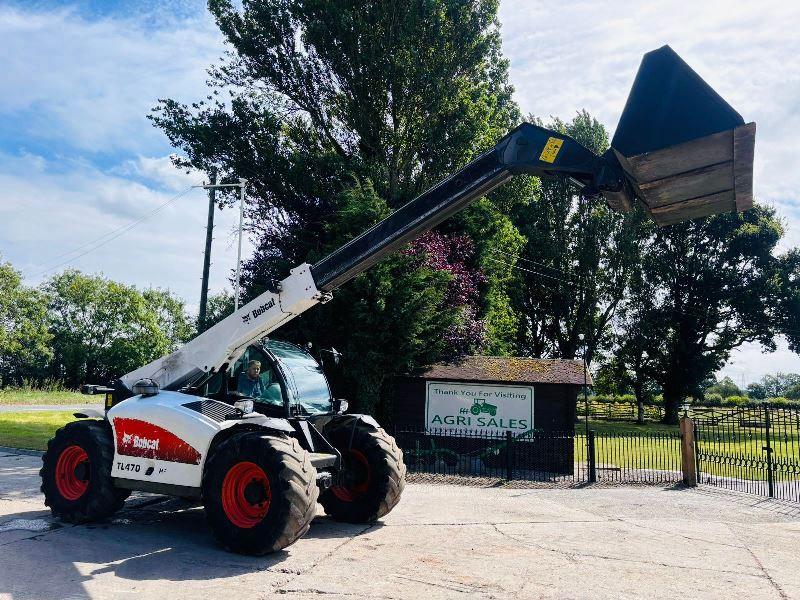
{"points": [[247, 425]]}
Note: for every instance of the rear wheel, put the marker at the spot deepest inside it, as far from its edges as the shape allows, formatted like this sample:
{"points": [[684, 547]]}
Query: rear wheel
{"points": [[260, 493], [76, 473], [372, 478]]}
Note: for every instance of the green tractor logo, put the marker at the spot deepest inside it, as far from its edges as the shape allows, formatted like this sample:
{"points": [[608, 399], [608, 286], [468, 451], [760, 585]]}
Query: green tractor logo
{"points": [[481, 406]]}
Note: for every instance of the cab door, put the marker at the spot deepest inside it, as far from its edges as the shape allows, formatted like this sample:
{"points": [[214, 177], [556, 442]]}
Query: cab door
{"points": [[257, 376]]}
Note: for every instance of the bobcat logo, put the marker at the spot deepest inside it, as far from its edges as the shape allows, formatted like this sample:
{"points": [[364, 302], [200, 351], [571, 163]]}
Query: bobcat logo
{"points": [[128, 439]]}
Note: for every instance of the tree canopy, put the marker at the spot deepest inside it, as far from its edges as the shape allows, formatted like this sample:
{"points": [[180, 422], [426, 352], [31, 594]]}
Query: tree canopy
{"points": [[705, 287], [24, 337], [102, 329], [338, 113]]}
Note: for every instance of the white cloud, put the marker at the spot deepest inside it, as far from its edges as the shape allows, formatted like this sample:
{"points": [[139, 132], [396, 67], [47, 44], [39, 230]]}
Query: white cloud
{"points": [[748, 363], [90, 84], [161, 171], [47, 218]]}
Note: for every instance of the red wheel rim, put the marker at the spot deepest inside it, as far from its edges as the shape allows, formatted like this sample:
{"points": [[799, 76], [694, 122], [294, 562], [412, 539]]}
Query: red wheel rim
{"points": [[359, 466], [246, 494], [72, 472]]}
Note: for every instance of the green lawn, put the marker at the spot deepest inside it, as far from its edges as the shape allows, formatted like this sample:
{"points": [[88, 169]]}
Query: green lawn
{"points": [[28, 397], [733, 451], [31, 429], [626, 445]]}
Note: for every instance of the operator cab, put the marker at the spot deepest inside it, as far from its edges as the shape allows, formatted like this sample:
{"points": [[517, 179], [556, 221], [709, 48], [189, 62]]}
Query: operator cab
{"points": [[282, 379]]}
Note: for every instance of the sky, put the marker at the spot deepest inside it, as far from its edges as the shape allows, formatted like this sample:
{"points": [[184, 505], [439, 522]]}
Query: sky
{"points": [[86, 181]]}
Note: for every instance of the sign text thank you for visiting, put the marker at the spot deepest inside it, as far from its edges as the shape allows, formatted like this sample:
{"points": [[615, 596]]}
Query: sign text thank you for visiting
{"points": [[478, 407]]}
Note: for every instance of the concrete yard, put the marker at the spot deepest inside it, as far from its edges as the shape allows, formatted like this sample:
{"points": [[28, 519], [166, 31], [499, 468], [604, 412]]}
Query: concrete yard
{"points": [[441, 542]]}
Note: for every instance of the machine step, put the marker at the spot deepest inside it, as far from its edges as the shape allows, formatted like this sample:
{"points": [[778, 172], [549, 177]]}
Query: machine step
{"points": [[322, 460]]}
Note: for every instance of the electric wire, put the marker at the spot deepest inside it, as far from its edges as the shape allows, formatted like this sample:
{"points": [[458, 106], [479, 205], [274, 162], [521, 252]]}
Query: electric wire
{"points": [[108, 237]]}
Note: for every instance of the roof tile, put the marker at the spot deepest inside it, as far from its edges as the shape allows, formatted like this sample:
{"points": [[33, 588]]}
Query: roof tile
{"points": [[505, 369]]}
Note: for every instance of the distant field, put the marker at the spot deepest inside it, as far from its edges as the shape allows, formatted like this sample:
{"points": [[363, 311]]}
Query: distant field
{"points": [[31, 430], [29, 397]]}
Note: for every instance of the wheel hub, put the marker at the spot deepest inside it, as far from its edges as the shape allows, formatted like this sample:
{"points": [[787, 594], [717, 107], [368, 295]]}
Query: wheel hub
{"points": [[356, 477], [72, 472], [246, 495], [255, 493]]}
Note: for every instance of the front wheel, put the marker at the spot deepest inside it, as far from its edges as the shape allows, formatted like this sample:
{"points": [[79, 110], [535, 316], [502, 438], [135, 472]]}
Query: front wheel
{"points": [[76, 473], [372, 478], [259, 492]]}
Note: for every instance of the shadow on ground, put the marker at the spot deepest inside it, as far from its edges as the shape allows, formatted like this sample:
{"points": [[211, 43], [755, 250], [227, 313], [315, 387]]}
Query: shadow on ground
{"points": [[153, 538]]}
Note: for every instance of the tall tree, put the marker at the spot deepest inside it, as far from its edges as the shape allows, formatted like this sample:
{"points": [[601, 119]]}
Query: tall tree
{"points": [[576, 262], [102, 329], [24, 338], [710, 285], [336, 107]]}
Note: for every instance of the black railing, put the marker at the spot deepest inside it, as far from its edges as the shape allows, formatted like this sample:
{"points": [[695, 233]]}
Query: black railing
{"points": [[545, 456], [751, 449], [619, 411]]}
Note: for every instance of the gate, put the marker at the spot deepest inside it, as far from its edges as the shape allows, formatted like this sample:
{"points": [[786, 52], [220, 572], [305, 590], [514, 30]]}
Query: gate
{"points": [[753, 449]]}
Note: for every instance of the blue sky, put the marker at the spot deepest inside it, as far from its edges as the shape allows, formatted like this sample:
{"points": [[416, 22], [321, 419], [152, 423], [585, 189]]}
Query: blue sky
{"points": [[78, 158]]}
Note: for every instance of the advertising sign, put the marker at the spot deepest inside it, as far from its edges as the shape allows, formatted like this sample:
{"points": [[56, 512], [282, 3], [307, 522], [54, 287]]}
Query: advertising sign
{"points": [[478, 407]]}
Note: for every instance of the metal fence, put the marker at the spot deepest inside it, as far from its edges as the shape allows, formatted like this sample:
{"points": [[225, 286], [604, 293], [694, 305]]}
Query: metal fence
{"points": [[620, 411], [545, 456], [750, 449]]}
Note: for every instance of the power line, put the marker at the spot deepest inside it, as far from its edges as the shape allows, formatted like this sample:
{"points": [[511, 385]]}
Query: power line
{"points": [[528, 260], [513, 266], [107, 237], [572, 283]]}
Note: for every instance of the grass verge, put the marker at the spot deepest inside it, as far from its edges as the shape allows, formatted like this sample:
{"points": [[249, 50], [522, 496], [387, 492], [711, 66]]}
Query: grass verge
{"points": [[31, 430], [33, 397]]}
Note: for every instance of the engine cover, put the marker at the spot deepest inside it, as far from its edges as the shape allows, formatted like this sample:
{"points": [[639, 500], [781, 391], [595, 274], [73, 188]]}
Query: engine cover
{"points": [[165, 438]]}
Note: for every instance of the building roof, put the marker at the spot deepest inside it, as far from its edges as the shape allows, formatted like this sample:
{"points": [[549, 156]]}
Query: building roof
{"points": [[510, 369]]}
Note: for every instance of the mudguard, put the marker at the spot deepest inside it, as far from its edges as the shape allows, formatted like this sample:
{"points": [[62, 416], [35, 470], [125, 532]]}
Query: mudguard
{"points": [[89, 413], [349, 419]]}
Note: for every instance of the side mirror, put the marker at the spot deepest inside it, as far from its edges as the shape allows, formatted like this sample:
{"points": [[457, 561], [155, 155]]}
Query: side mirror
{"points": [[337, 356], [340, 406]]}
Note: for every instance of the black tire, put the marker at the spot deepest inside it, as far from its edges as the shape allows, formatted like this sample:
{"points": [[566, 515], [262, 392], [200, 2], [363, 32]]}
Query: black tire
{"points": [[374, 474], [76, 473], [275, 514]]}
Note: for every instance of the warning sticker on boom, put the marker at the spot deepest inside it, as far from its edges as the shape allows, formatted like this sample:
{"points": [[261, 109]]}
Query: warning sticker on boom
{"points": [[551, 149]]}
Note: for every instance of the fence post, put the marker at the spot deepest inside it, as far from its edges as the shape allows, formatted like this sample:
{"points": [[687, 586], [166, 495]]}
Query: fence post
{"points": [[509, 455], [688, 459], [591, 456], [768, 448]]}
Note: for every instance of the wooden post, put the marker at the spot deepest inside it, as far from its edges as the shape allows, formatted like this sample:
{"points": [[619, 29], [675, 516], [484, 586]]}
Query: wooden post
{"points": [[688, 463]]}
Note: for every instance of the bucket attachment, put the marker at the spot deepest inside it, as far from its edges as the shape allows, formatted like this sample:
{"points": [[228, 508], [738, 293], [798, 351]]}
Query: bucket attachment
{"points": [[685, 152]]}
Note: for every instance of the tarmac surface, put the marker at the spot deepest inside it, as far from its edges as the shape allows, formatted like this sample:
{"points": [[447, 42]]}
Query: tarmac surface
{"points": [[442, 541]]}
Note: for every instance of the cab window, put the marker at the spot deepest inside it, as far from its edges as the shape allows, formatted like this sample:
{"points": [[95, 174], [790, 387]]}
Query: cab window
{"points": [[253, 376], [306, 381]]}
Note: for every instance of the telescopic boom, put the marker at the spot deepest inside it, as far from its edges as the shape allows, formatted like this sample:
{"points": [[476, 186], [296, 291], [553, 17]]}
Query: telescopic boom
{"points": [[680, 151]]}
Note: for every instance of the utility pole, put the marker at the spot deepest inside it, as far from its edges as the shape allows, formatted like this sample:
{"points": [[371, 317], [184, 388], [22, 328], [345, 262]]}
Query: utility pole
{"points": [[201, 320], [242, 183], [211, 187]]}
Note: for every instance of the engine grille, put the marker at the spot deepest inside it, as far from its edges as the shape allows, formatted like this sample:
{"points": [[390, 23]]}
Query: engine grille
{"points": [[219, 411]]}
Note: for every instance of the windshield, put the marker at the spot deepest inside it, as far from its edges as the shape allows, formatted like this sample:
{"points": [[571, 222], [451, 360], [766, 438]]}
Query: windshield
{"points": [[305, 380]]}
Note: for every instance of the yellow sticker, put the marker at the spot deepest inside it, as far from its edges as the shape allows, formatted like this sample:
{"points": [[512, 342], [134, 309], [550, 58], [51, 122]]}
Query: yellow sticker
{"points": [[551, 149]]}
